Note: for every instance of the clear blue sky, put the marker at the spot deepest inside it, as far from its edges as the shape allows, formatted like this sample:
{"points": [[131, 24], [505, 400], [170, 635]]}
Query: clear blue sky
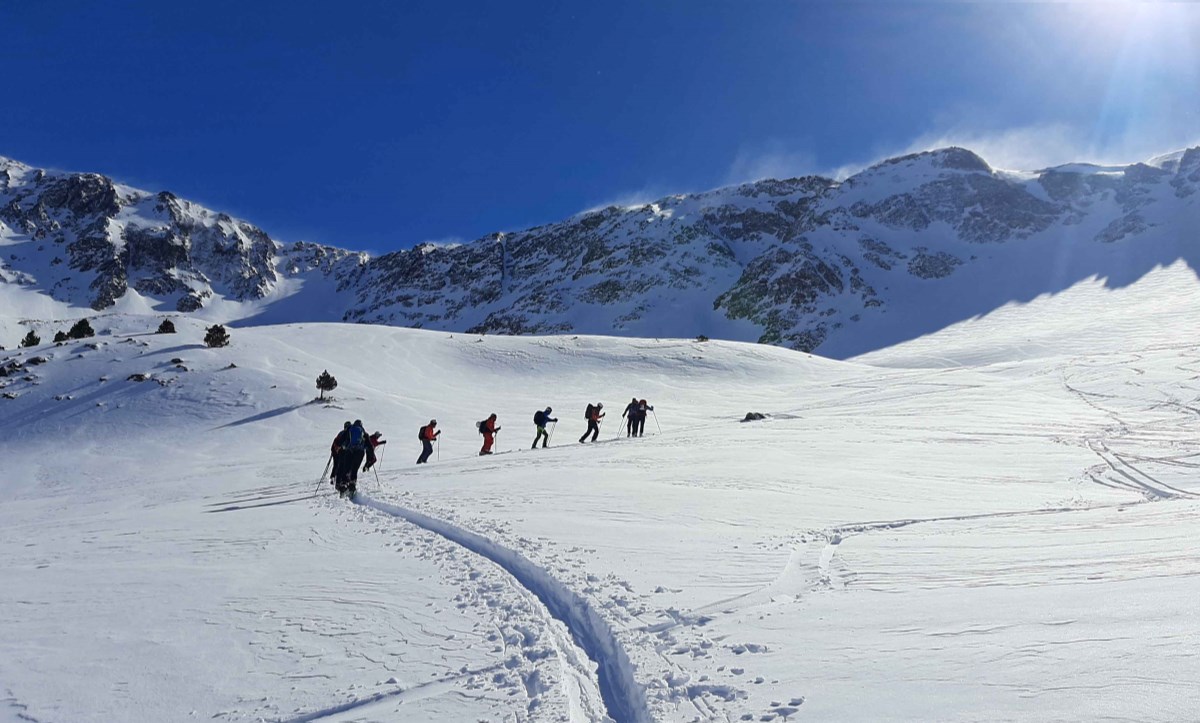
{"points": [[377, 125]]}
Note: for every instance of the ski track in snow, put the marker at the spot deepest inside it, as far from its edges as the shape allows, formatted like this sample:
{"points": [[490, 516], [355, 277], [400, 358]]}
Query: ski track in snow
{"points": [[16, 710], [1124, 475], [623, 699], [403, 695]]}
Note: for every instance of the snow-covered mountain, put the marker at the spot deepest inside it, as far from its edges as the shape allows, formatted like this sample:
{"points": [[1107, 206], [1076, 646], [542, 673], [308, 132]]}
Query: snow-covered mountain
{"points": [[997, 520], [902, 249]]}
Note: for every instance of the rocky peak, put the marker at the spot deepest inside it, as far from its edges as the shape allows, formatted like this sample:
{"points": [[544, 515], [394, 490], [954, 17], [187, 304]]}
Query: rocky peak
{"points": [[804, 262]]}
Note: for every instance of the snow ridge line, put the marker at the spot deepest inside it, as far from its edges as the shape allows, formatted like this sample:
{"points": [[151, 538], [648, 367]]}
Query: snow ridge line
{"points": [[623, 697]]}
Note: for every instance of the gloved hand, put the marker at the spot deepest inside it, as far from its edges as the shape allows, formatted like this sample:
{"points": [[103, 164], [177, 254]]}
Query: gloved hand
{"points": [[367, 466]]}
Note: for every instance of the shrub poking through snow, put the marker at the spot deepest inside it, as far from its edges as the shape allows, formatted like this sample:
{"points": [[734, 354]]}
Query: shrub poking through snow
{"points": [[702, 338], [31, 339], [166, 327], [60, 337], [326, 383], [81, 329], [216, 336]]}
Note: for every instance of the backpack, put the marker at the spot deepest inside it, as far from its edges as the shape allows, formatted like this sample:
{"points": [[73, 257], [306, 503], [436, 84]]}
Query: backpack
{"points": [[421, 433], [591, 409], [539, 418], [356, 438], [481, 426]]}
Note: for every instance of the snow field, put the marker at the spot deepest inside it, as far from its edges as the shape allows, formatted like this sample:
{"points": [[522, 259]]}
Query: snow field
{"points": [[1008, 540]]}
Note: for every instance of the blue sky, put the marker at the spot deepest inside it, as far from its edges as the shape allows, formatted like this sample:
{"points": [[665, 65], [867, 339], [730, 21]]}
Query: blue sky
{"points": [[377, 125]]}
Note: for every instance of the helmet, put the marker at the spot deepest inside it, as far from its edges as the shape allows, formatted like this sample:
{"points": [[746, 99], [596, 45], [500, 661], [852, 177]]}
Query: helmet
{"points": [[358, 422], [642, 402], [347, 425], [492, 415], [376, 435], [600, 405], [548, 410], [432, 422]]}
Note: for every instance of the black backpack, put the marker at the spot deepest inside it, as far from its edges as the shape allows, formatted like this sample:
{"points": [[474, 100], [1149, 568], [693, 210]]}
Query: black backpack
{"points": [[421, 434], [591, 409], [481, 426]]}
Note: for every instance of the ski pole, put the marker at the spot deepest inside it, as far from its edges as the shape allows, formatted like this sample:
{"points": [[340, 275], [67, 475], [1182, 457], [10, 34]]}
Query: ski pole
{"points": [[439, 448], [551, 435], [656, 422], [323, 473], [379, 462]]}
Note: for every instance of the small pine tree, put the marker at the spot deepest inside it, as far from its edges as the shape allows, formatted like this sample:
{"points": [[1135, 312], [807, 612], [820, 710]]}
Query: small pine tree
{"points": [[166, 327], [81, 329], [216, 336], [326, 383], [60, 337], [31, 339]]}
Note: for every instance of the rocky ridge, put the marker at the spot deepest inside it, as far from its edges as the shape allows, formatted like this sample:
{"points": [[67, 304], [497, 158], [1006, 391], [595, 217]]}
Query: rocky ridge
{"points": [[794, 262]]}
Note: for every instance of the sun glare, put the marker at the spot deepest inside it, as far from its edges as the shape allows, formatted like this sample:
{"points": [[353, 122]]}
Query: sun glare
{"points": [[1114, 20]]}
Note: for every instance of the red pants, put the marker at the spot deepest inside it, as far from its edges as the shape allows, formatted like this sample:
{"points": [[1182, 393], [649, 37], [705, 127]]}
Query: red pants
{"points": [[488, 438]]}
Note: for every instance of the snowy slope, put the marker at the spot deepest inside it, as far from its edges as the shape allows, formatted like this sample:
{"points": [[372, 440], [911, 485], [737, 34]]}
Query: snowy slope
{"points": [[1007, 531], [903, 249]]}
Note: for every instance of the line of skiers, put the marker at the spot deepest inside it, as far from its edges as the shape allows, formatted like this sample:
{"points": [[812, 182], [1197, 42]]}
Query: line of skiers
{"points": [[352, 445], [634, 415]]}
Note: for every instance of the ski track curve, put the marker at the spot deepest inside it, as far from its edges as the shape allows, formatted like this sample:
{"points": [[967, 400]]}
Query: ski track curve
{"points": [[622, 696]]}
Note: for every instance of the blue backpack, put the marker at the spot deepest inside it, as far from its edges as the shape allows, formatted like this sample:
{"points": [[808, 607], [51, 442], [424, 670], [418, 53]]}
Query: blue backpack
{"points": [[356, 438]]}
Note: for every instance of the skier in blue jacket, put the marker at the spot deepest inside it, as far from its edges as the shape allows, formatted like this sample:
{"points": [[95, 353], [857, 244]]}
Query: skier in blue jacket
{"points": [[540, 420]]}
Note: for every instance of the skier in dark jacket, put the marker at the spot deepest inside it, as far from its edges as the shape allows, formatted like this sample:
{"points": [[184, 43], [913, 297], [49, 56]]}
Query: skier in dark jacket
{"points": [[488, 429], [640, 416], [333, 452], [353, 445], [594, 414], [428, 434], [540, 420], [630, 415]]}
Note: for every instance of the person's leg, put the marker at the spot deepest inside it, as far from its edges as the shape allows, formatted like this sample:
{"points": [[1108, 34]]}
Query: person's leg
{"points": [[356, 460], [343, 465]]}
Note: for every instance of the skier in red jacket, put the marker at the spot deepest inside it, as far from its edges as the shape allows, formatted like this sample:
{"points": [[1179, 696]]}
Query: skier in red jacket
{"points": [[428, 434], [488, 429]]}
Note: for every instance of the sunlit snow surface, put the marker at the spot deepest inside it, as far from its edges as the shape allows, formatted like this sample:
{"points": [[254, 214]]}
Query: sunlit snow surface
{"points": [[997, 522]]}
